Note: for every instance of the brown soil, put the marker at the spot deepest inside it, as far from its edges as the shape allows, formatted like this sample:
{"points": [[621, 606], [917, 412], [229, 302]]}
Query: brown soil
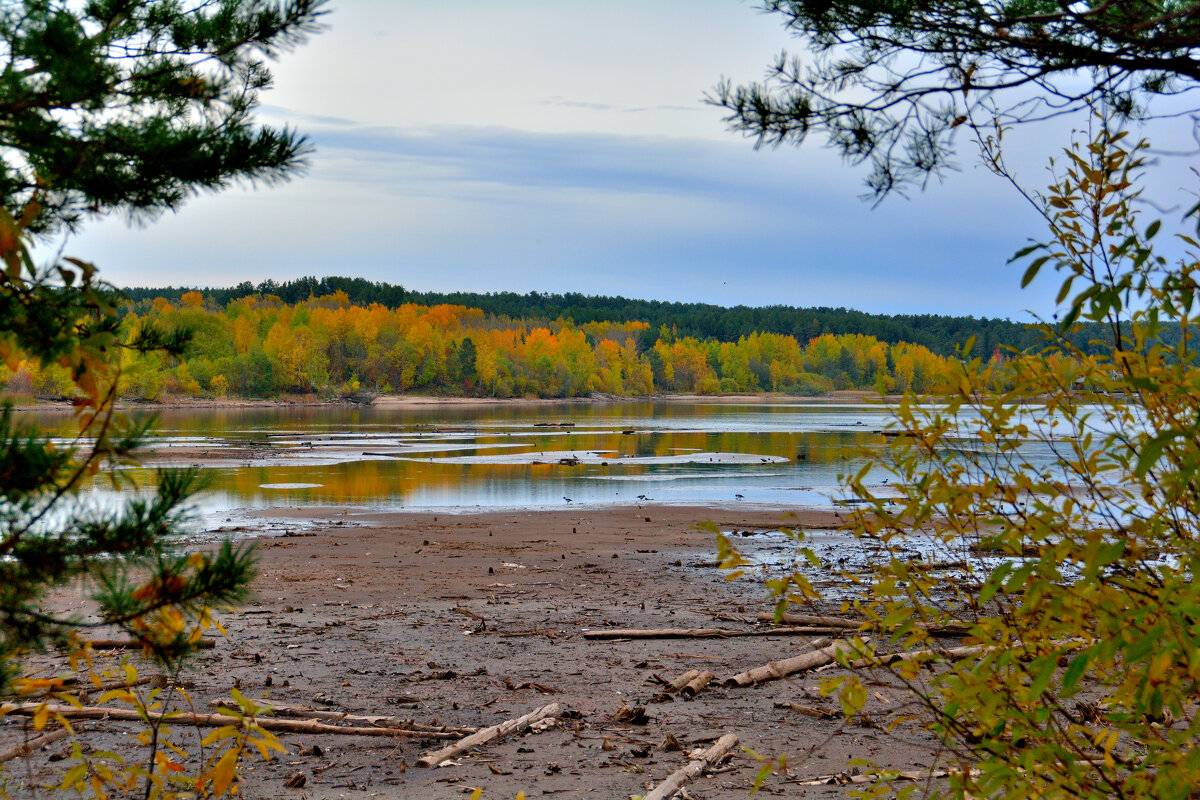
{"points": [[470, 620]]}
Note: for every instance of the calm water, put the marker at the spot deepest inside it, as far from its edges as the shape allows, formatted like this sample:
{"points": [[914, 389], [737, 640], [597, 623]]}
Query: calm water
{"points": [[463, 458]]}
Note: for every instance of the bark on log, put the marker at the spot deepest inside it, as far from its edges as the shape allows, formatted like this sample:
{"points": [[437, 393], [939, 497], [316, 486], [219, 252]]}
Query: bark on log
{"points": [[342, 716], [679, 777], [697, 684], [773, 670], [26, 748], [683, 680], [134, 644], [811, 619], [217, 720], [702, 633], [485, 735]]}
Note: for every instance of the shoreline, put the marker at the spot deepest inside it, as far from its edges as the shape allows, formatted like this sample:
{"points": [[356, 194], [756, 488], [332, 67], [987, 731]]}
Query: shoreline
{"points": [[402, 401]]}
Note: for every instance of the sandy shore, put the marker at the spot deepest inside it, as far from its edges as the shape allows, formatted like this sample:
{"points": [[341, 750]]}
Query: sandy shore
{"points": [[470, 620]]}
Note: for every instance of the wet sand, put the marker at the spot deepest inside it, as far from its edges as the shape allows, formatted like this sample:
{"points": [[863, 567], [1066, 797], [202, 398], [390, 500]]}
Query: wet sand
{"points": [[471, 620]]}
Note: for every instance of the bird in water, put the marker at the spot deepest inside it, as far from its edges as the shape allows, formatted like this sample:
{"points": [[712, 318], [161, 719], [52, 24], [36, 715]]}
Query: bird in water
{"points": [[567, 499], [740, 496]]}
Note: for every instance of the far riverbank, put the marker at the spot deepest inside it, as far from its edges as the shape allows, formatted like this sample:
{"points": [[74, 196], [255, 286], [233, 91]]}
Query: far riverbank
{"points": [[400, 401]]}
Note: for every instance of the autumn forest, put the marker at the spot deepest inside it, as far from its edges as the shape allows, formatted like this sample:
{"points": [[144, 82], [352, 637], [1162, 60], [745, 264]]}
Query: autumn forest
{"points": [[261, 346]]}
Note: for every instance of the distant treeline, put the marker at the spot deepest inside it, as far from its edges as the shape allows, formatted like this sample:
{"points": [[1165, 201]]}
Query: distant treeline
{"points": [[943, 335], [262, 346]]}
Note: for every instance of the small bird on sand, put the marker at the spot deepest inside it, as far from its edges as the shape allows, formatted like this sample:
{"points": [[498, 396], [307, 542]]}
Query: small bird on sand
{"points": [[740, 496], [567, 499]]}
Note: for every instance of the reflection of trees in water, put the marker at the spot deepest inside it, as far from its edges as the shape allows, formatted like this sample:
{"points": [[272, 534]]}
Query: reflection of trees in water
{"points": [[365, 480]]}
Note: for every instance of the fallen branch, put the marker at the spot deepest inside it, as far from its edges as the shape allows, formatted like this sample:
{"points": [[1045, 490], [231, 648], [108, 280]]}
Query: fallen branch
{"points": [[679, 777], [913, 655], [485, 735], [702, 633], [134, 644], [811, 619], [809, 711], [217, 720], [342, 716], [843, 778], [773, 670], [951, 630], [28, 747]]}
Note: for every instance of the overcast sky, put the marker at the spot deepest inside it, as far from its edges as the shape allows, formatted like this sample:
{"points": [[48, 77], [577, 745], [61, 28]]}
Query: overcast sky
{"points": [[563, 146]]}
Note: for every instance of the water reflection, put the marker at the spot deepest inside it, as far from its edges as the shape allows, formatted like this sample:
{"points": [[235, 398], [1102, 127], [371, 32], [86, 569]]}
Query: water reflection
{"points": [[463, 457]]}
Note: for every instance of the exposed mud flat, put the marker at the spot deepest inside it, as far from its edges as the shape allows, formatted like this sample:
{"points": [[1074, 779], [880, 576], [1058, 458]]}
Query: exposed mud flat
{"points": [[470, 620]]}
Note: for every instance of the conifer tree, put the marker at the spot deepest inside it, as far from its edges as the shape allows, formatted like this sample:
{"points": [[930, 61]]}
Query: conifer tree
{"points": [[888, 82], [122, 107]]}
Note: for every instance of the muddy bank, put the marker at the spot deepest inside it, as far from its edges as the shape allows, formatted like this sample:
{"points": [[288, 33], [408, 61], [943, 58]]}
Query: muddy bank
{"points": [[470, 620]]}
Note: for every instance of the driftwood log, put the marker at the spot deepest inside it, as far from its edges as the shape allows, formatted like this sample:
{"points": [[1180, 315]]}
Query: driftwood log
{"points": [[376, 720], [703, 633], [134, 644], [679, 777], [485, 735], [682, 681], [28, 747], [697, 684], [217, 720], [913, 655], [774, 670], [811, 619], [953, 630]]}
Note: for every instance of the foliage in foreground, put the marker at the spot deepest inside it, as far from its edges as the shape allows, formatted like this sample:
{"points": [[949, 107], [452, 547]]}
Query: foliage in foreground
{"points": [[138, 581], [1069, 504], [117, 107]]}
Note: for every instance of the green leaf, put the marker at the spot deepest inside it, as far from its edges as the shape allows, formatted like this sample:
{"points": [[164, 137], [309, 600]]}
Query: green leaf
{"points": [[1152, 451], [1032, 270], [1075, 671]]}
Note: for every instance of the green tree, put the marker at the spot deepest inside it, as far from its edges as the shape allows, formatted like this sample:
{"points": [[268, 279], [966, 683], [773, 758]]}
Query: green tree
{"points": [[889, 81], [115, 106]]}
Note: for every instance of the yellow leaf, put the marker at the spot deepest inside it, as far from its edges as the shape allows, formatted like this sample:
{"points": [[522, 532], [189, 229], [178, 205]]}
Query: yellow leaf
{"points": [[223, 772], [41, 716], [223, 732], [1108, 748]]}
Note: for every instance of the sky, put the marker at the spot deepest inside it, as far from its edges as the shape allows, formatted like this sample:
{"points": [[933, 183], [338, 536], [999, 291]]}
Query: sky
{"points": [[492, 145]]}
